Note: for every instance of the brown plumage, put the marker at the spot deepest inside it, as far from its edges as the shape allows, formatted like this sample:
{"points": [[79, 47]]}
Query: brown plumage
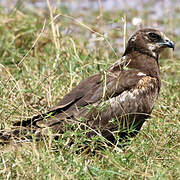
{"points": [[117, 101]]}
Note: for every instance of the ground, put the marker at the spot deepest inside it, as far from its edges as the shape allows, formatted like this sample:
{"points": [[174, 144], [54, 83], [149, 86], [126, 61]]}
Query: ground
{"points": [[42, 58]]}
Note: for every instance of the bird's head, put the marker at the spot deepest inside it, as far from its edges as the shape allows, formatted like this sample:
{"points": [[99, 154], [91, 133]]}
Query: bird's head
{"points": [[148, 41]]}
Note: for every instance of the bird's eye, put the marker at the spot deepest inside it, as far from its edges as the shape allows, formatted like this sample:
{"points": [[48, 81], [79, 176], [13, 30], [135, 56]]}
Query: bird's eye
{"points": [[154, 37]]}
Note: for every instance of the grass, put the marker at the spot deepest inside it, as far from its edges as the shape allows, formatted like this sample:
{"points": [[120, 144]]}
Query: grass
{"points": [[41, 61]]}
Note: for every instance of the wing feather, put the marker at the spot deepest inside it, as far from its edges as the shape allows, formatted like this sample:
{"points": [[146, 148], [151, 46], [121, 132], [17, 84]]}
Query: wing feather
{"points": [[92, 90]]}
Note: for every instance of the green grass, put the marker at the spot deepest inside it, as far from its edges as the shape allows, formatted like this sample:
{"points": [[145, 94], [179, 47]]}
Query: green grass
{"points": [[35, 77]]}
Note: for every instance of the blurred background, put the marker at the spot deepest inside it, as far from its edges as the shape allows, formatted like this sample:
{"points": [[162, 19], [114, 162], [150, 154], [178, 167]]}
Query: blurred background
{"points": [[108, 16]]}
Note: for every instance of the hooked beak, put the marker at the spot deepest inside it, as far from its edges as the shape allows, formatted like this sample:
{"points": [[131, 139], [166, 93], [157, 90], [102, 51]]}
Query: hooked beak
{"points": [[168, 43]]}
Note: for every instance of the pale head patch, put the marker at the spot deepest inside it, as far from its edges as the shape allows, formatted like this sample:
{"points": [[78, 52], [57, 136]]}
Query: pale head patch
{"points": [[152, 47], [133, 38]]}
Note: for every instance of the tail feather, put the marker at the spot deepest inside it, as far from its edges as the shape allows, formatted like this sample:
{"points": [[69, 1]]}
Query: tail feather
{"points": [[7, 135], [17, 134]]}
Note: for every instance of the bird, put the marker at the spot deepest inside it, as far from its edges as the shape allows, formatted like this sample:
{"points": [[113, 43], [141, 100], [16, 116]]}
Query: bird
{"points": [[112, 104]]}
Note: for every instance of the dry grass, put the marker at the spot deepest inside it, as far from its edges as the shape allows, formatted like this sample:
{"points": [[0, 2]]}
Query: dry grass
{"points": [[42, 58]]}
